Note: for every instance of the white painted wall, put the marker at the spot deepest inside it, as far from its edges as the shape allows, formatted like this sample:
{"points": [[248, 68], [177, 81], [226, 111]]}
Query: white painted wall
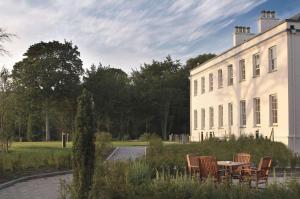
{"points": [[279, 82]]}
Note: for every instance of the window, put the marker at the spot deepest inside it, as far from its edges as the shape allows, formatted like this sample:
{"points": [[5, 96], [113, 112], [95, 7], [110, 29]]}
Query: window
{"points": [[230, 114], [273, 109], [211, 117], [202, 118], [195, 119], [242, 70], [256, 109], [272, 59], [202, 85], [211, 82], [220, 79], [242, 113], [220, 116], [256, 65], [195, 87], [230, 75]]}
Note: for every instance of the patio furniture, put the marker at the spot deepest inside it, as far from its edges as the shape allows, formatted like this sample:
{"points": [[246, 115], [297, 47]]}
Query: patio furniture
{"points": [[193, 164], [242, 158], [209, 167], [260, 174]]}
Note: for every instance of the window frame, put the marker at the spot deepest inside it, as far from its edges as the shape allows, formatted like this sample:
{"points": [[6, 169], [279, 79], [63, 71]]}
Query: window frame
{"points": [[230, 114], [220, 78], [273, 110], [256, 65], [243, 114], [195, 119], [220, 116], [202, 118], [210, 82], [242, 70], [195, 87], [256, 111], [202, 85], [211, 117], [230, 75], [271, 59]]}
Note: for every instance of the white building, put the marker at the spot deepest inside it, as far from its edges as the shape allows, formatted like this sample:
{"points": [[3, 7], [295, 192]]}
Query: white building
{"points": [[254, 87]]}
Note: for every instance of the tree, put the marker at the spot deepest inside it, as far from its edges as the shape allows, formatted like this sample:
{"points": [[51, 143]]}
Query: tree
{"points": [[83, 146], [200, 59], [6, 109], [110, 89], [49, 73], [4, 36]]}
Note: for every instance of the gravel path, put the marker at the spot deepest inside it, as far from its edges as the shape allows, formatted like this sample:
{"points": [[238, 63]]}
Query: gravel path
{"points": [[48, 188]]}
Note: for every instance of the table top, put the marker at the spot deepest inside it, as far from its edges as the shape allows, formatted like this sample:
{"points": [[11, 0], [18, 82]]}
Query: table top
{"points": [[231, 163]]}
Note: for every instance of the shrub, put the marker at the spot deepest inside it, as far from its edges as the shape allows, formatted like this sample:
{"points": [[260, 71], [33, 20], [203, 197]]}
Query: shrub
{"points": [[145, 137]]}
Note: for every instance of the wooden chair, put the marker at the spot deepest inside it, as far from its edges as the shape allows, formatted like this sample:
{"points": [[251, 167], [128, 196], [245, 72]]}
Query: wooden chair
{"points": [[193, 165], [260, 174], [209, 167], [244, 158]]}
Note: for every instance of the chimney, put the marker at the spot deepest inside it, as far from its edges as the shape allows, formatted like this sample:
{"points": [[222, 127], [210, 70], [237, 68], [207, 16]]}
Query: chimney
{"points": [[267, 20], [241, 34]]}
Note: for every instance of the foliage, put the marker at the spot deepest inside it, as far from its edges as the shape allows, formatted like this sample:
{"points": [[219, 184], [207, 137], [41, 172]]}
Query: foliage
{"points": [[173, 156], [145, 137], [84, 146], [49, 73], [4, 36], [200, 59]]}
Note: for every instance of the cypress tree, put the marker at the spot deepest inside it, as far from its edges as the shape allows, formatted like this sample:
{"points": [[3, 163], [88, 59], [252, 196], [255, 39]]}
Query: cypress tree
{"points": [[83, 147]]}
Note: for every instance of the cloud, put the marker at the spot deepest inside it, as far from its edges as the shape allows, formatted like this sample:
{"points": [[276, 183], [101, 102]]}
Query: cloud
{"points": [[120, 33]]}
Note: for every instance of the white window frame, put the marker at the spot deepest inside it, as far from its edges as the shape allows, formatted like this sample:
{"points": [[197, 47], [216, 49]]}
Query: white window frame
{"points": [[195, 119], [272, 59], [230, 74], [273, 101], [242, 70], [220, 78], [230, 114], [243, 116], [202, 85], [195, 87], [220, 115], [202, 118], [256, 111], [211, 117], [256, 65], [211, 82]]}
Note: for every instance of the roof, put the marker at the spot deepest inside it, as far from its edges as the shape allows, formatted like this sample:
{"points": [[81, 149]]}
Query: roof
{"points": [[295, 18]]}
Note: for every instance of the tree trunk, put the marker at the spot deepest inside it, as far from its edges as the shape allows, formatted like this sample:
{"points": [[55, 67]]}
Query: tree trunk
{"points": [[47, 124], [165, 120]]}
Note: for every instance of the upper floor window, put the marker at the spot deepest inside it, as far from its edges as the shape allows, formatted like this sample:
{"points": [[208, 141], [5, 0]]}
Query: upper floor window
{"points": [[230, 75], [211, 82], [195, 87], [243, 113], [272, 59], [211, 117], [202, 118], [202, 85], [220, 78], [256, 65], [273, 109], [195, 119], [242, 70], [256, 109], [220, 116]]}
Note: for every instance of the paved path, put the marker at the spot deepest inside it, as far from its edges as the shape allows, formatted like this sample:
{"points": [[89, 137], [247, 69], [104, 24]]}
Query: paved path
{"points": [[42, 188], [126, 153], [48, 188]]}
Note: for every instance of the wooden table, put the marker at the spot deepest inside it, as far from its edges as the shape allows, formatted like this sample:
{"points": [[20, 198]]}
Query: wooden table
{"points": [[230, 166]]}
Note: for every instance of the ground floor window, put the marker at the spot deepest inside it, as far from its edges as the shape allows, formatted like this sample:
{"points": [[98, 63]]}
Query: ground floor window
{"points": [[273, 109], [211, 117]]}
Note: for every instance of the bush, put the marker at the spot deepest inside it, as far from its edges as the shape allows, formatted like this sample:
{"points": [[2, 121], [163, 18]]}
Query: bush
{"points": [[145, 137]]}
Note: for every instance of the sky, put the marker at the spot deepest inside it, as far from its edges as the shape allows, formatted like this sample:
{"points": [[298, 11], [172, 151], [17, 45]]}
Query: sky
{"points": [[127, 33]]}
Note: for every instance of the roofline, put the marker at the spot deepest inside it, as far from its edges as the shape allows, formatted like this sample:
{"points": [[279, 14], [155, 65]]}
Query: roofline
{"points": [[256, 35]]}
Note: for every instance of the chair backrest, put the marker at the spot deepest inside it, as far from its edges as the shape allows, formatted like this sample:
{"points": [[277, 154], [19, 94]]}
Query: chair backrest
{"points": [[208, 166], [193, 163], [242, 157], [265, 165]]}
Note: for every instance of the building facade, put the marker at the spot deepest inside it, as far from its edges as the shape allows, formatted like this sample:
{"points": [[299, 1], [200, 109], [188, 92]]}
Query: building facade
{"points": [[252, 88]]}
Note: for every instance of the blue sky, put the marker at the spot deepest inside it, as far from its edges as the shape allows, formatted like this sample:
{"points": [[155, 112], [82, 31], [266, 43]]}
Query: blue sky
{"points": [[127, 33]]}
